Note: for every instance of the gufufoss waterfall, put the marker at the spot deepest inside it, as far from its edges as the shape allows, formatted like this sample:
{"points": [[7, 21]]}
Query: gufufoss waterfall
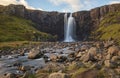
{"points": [[69, 28]]}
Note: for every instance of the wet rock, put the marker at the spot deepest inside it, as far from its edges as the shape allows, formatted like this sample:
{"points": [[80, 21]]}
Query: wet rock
{"points": [[25, 68], [22, 53], [17, 64], [46, 58]]}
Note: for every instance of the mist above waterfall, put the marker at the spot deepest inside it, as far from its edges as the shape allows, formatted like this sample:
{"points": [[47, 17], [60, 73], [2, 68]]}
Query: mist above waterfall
{"points": [[69, 28]]}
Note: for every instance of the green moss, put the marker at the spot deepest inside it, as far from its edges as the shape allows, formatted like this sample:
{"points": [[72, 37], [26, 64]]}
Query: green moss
{"points": [[109, 28], [14, 28]]}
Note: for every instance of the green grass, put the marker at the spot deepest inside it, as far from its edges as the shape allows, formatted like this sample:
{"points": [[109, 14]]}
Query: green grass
{"points": [[17, 44], [79, 71], [109, 28], [14, 28]]}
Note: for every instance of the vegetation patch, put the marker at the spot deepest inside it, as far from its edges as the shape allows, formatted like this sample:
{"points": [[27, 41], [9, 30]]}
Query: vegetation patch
{"points": [[14, 28]]}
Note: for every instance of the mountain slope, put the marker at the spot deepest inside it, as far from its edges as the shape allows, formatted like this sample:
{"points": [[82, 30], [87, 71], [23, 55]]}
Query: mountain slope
{"points": [[14, 28], [109, 27]]}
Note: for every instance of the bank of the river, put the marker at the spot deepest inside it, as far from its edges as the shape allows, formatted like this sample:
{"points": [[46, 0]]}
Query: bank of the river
{"points": [[62, 60]]}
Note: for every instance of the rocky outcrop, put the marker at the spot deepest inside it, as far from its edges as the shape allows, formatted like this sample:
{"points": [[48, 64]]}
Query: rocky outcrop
{"points": [[53, 23]]}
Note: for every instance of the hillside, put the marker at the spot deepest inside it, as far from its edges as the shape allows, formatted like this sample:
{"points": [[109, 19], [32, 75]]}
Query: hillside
{"points": [[53, 23], [109, 27], [14, 28]]}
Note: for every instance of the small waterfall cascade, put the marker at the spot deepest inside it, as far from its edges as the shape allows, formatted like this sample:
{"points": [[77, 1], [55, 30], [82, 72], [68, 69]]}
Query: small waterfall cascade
{"points": [[69, 28]]}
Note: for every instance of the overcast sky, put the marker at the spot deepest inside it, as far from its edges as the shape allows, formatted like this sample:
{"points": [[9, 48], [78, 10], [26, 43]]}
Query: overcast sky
{"points": [[60, 5]]}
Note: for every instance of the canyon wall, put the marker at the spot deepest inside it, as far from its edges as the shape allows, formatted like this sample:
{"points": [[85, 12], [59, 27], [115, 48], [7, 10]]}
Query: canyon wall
{"points": [[53, 22]]}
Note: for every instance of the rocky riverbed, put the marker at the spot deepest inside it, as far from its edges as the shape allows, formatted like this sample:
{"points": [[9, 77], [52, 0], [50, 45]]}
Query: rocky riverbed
{"points": [[62, 60]]}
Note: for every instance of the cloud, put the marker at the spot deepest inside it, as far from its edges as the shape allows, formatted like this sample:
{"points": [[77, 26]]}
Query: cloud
{"points": [[7, 2], [22, 2], [114, 1], [39, 9], [73, 5]]}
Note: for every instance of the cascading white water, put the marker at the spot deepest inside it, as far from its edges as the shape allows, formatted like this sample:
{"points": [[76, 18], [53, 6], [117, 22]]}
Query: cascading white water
{"points": [[69, 28]]}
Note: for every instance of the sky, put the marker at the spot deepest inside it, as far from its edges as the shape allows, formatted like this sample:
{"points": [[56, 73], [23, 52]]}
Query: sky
{"points": [[60, 5]]}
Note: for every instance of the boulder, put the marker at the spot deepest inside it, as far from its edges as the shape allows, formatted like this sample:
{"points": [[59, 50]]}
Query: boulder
{"points": [[84, 48], [61, 58], [33, 54], [79, 54], [108, 44], [108, 57], [58, 75], [109, 63], [25, 68], [92, 51], [113, 50], [115, 58], [53, 57], [86, 57]]}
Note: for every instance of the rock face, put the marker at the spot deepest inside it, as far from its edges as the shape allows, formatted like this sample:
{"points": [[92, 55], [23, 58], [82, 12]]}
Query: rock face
{"points": [[53, 23]]}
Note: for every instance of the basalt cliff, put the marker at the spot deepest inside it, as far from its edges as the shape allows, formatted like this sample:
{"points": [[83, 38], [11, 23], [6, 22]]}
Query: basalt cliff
{"points": [[53, 22]]}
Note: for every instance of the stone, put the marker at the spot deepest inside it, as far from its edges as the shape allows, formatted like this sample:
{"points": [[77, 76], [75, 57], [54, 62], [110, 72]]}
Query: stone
{"points": [[10, 75], [79, 55], [71, 55], [58, 75], [109, 64], [113, 50], [108, 44], [33, 54], [25, 68], [115, 58], [53, 57], [92, 51], [84, 48], [86, 57], [61, 58], [108, 57]]}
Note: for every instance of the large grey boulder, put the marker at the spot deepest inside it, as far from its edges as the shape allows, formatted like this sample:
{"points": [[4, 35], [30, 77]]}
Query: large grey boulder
{"points": [[34, 53]]}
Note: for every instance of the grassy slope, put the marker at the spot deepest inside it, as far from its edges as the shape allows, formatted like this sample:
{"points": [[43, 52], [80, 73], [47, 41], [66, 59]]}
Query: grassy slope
{"points": [[109, 27], [14, 28]]}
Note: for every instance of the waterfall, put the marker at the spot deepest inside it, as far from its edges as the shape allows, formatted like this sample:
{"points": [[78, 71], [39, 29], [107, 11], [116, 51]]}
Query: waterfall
{"points": [[69, 28]]}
